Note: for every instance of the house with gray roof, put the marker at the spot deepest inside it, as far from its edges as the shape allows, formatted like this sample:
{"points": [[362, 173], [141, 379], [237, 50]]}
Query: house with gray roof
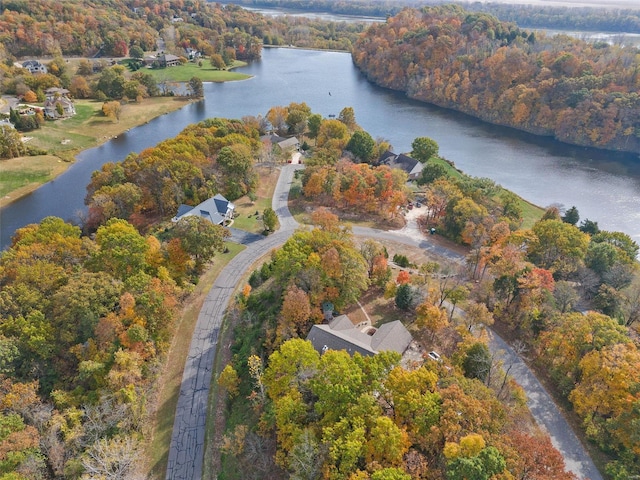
{"points": [[291, 143], [55, 97], [404, 162], [341, 334], [217, 209], [34, 66]]}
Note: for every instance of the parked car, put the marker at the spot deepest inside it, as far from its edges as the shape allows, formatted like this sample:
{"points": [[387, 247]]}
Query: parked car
{"points": [[434, 356]]}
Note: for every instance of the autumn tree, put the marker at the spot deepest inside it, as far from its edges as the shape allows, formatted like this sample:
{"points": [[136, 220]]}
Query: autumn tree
{"points": [[196, 88], [200, 238], [112, 110], [295, 313]]}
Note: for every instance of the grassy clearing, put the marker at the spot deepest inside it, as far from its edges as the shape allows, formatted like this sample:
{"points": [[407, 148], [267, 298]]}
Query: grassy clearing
{"points": [[89, 127], [21, 175], [171, 378], [246, 218], [206, 73]]}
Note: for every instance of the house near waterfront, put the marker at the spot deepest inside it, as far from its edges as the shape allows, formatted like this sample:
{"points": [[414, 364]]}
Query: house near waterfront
{"points": [[342, 334], [34, 66], [217, 209], [192, 53], [284, 144], [168, 60], [57, 104], [404, 162]]}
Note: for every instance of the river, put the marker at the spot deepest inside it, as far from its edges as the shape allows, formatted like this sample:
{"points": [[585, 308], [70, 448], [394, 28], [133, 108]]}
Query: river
{"points": [[604, 186]]}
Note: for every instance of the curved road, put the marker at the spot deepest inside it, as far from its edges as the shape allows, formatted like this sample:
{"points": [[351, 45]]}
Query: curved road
{"points": [[186, 452]]}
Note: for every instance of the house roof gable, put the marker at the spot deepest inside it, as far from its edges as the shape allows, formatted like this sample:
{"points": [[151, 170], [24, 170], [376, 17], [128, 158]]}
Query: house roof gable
{"points": [[341, 334]]}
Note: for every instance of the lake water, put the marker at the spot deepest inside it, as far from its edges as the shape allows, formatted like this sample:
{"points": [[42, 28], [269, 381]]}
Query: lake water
{"points": [[604, 186]]}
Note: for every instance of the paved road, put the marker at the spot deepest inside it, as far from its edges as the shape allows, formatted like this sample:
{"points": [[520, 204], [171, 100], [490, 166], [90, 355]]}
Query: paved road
{"points": [[186, 452], [542, 407]]}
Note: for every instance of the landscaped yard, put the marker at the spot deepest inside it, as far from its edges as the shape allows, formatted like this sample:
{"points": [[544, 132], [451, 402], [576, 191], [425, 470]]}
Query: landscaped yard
{"points": [[206, 73]]}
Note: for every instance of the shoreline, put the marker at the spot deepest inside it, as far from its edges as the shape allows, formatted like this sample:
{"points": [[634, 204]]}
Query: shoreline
{"points": [[62, 164]]}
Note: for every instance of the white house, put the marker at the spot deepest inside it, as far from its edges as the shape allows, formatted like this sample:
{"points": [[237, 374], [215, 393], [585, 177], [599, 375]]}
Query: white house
{"points": [[218, 210]]}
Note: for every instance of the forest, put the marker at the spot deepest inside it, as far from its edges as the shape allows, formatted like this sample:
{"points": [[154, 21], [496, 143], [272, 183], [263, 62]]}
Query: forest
{"points": [[41, 28], [86, 321], [534, 16], [579, 93]]}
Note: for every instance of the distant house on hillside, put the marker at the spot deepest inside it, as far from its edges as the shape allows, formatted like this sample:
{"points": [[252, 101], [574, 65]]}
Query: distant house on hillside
{"points": [[404, 162], [218, 210], [341, 334], [192, 53], [34, 66], [168, 60], [57, 104]]}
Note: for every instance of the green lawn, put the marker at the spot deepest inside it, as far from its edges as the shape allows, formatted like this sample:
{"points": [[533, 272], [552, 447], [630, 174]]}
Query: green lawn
{"points": [[206, 73], [13, 180]]}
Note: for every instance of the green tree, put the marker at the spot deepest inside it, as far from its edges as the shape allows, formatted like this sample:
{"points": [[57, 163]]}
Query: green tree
{"points": [[423, 148], [477, 362], [269, 219], [404, 296], [236, 165], [390, 473], [136, 52], [313, 123], [558, 246], [362, 145], [571, 216], [121, 249], [486, 464], [430, 173]]}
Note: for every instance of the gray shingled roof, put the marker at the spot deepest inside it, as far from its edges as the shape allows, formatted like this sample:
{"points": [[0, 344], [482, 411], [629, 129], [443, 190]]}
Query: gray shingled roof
{"points": [[340, 334], [213, 209]]}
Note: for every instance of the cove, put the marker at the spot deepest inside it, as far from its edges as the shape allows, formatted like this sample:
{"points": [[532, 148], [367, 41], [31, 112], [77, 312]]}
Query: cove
{"points": [[604, 186]]}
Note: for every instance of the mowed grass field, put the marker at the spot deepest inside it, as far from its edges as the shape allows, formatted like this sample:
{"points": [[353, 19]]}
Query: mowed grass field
{"points": [[19, 176], [206, 73]]}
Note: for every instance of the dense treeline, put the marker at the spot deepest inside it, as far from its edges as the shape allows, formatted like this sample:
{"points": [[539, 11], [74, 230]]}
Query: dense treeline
{"points": [[532, 281], [41, 28], [213, 156], [580, 93], [83, 326], [81, 28], [537, 16]]}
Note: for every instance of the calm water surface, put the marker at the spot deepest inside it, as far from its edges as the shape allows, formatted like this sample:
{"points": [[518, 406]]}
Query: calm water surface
{"points": [[603, 186]]}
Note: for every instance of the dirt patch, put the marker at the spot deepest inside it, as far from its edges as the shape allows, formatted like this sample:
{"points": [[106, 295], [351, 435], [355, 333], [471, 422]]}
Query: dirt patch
{"points": [[300, 206]]}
